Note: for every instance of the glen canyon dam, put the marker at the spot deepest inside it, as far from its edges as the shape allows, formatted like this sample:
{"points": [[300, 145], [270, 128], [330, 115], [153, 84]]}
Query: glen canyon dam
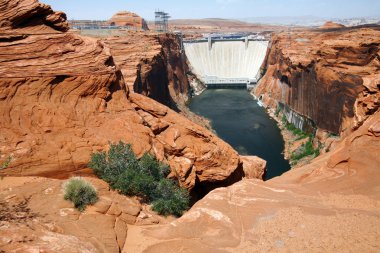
{"points": [[226, 61], [200, 126]]}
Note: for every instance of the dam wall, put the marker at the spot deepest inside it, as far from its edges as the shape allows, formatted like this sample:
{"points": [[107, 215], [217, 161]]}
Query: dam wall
{"points": [[223, 62]]}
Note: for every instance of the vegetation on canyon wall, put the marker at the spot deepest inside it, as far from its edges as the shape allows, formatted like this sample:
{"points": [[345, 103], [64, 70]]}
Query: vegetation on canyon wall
{"points": [[5, 164], [80, 192], [144, 177], [306, 149]]}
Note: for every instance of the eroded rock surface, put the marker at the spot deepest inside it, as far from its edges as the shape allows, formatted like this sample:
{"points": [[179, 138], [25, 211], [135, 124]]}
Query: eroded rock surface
{"points": [[330, 76], [62, 98], [29, 17], [253, 166], [35, 216], [152, 65]]}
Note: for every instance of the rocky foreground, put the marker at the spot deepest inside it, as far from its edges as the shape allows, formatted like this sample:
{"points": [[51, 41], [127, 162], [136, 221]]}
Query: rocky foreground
{"points": [[63, 96]]}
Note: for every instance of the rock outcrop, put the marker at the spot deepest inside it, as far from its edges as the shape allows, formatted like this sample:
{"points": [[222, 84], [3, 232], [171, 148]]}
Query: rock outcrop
{"points": [[128, 19], [62, 98], [152, 65], [35, 216], [331, 25], [329, 76], [253, 166], [16, 16]]}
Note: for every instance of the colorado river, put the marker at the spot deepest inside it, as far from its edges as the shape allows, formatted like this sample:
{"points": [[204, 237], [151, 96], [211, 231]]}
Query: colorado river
{"points": [[241, 122]]}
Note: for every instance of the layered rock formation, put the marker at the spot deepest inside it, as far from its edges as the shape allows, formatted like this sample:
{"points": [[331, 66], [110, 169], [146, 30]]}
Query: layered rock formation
{"points": [[152, 65], [329, 76], [62, 98], [29, 17], [130, 19]]}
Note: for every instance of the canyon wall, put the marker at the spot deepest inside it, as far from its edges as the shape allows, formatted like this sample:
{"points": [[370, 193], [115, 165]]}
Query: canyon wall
{"points": [[228, 59], [330, 76], [152, 65], [62, 98]]}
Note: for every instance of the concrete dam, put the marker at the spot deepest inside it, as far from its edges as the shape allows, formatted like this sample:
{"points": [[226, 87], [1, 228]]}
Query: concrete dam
{"points": [[226, 62]]}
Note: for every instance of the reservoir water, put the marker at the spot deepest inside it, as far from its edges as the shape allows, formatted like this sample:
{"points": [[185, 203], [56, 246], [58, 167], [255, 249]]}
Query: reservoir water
{"points": [[240, 121]]}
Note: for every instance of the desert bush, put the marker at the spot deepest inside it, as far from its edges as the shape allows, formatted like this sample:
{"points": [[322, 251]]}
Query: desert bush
{"points": [[277, 112], [6, 163], [144, 177], [133, 182], [305, 150], [80, 192], [170, 199]]}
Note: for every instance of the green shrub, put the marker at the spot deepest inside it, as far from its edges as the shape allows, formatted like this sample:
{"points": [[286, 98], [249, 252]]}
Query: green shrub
{"points": [[134, 182], [80, 192], [304, 150], [145, 178], [6, 163], [277, 112], [170, 199], [294, 130], [149, 165]]}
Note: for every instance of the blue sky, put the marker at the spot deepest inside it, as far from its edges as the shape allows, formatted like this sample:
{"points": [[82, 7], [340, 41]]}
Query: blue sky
{"points": [[104, 9]]}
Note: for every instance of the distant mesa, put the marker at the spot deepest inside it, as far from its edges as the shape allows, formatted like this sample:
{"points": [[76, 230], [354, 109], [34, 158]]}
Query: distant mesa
{"points": [[126, 18], [330, 25]]}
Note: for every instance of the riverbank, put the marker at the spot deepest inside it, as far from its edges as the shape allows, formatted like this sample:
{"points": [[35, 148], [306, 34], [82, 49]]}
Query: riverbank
{"points": [[295, 141], [291, 141]]}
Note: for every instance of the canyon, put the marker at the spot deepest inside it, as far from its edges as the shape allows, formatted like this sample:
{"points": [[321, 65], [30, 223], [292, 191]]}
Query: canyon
{"points": [[64, 96]]}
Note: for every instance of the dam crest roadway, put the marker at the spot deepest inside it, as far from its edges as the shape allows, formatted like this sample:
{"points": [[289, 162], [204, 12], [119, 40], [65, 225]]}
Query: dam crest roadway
{"points": [[227, 62]]}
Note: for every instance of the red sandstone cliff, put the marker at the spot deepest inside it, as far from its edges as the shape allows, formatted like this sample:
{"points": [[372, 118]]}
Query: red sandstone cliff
{"points": [[330, 76], [62, 98], [152, 65]]}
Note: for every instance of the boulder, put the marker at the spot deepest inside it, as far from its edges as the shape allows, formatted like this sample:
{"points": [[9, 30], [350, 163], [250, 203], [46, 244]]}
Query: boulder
{"points": [[253, 167]]}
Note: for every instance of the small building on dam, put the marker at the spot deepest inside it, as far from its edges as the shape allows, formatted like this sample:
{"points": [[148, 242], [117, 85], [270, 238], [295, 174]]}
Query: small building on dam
{"points": [[226, 62]]}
